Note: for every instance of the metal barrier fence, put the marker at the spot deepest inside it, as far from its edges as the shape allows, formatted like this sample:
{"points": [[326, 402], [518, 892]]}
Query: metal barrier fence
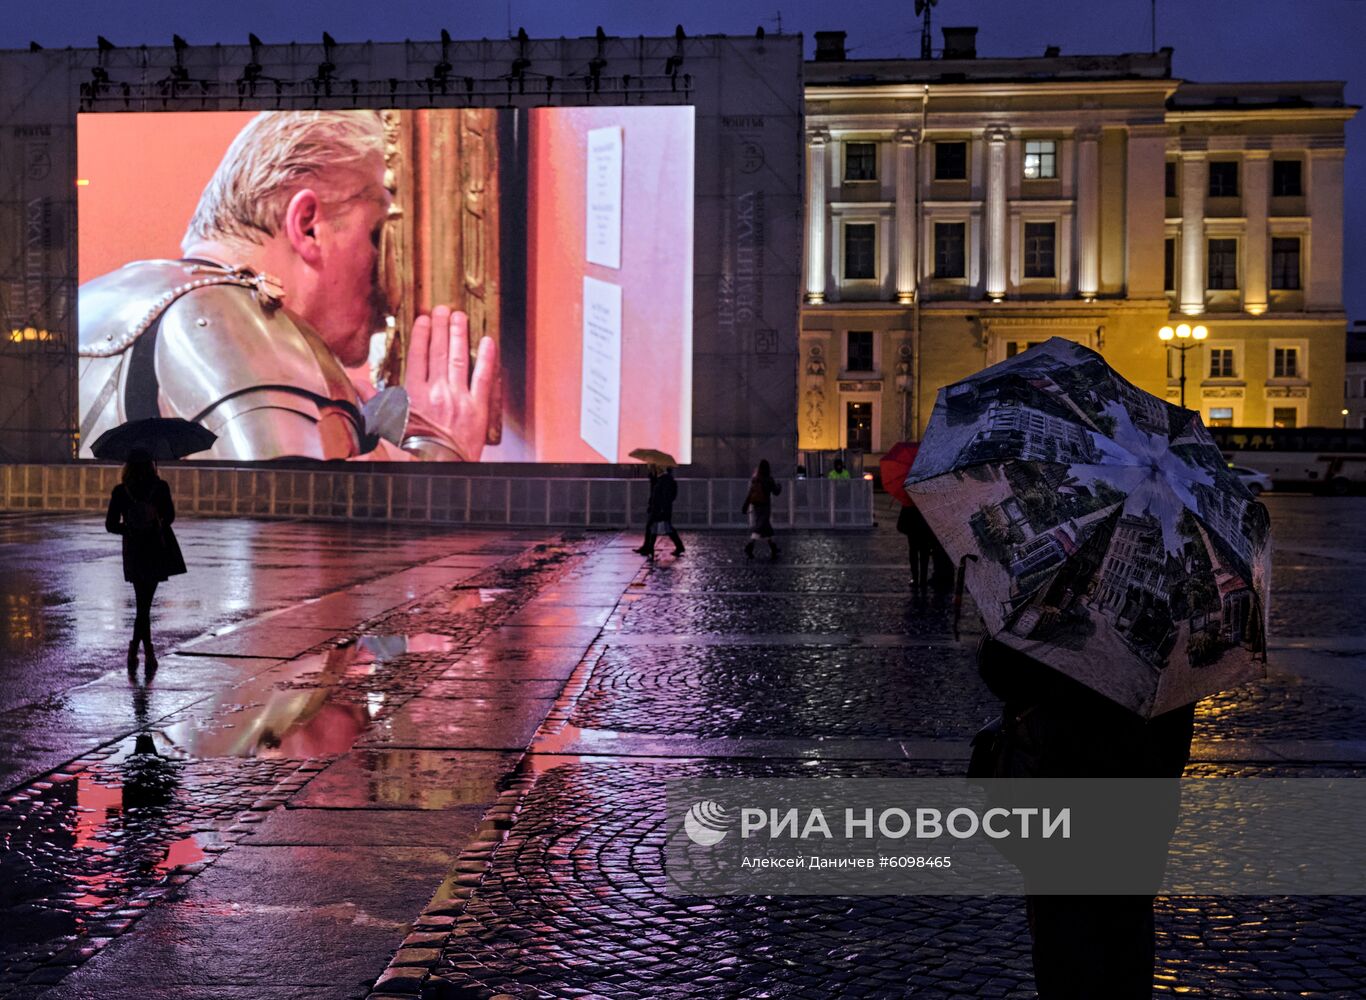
{"points": [[341, 494]]}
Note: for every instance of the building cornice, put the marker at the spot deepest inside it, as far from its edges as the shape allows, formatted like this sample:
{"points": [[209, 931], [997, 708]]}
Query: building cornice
{"points": [[1343, 114], [989, 88]]}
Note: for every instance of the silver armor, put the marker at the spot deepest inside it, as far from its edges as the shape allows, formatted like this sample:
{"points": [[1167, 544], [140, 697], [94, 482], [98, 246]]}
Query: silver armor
{"points": [[215, 345]]}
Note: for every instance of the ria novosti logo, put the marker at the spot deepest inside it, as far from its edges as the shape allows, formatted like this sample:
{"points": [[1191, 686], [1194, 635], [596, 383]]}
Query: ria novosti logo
{"points": [[706, 823]]}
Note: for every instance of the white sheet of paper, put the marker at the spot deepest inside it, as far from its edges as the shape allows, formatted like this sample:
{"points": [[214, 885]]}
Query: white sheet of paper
{"points": [[604, 196], [600, 390]]}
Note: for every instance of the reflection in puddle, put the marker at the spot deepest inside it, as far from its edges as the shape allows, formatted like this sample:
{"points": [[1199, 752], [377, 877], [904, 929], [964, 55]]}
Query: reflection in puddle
{"points": [[275, 716]]}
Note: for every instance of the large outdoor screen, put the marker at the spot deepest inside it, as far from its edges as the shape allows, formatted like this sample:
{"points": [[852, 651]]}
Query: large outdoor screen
{"points": [[441, 285]]}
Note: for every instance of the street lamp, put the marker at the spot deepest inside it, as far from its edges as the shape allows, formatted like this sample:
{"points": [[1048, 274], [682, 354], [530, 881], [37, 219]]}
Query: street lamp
{"points": [[1183, 332]]}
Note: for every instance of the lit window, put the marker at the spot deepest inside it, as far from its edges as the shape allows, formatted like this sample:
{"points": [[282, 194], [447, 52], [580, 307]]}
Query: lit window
{"points": [[1223, 264], [1041, 160], [1039, 245], [949, 256], [1221, 362], [858, 426], [950, 161], [1285, 362], [859, 351], [860, 161], [1284, 416], [1221, 416], [1223, 179], [1285, 262], [860, 246]]}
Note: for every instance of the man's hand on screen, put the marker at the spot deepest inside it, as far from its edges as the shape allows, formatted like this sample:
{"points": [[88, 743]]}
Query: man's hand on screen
{"points": [[439, 383]]}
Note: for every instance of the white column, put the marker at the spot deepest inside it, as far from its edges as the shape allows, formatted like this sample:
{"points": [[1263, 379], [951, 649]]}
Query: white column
{"points": [[1088, 212], [1256, 205], [907, 148], [1323, 280], [1194, 182], [996, 213], [816, 142]]}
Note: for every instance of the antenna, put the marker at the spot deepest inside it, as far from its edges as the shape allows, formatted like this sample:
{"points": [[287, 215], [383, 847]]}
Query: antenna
{"points": [[922, 9]]}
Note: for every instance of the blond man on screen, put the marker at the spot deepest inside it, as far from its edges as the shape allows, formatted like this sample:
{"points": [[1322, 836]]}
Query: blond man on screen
{"points": [[277, 295]]}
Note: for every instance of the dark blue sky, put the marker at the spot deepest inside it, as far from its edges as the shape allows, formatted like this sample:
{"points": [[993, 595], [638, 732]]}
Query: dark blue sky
{"points": [[1214, 39]]}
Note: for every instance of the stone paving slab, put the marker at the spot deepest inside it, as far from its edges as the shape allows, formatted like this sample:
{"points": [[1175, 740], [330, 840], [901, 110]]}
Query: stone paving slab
{"points": [[307, 827], [380, 778], [518, 660], [259, 641], [479, 724]]}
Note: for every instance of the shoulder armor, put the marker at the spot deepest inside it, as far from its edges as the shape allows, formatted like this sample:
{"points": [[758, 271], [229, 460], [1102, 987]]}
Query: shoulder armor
{"points": [[219, 354], [117, 308]]}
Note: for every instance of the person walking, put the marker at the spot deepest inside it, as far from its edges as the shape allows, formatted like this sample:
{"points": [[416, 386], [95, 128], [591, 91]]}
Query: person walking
{"points": [[141, 511], [759, 506], [659, 511], [920, 542]]}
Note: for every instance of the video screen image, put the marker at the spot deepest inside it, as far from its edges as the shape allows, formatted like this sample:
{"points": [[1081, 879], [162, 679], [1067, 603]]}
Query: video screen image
{"points": [[416, 285]]}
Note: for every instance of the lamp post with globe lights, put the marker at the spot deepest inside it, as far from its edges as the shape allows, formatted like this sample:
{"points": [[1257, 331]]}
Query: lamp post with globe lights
{"points": [[1185, 334]]}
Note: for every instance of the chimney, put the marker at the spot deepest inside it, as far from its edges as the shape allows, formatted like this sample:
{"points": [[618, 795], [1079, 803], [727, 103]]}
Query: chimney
{"points": [[1052, 52], [960, 43], [830, 46]]}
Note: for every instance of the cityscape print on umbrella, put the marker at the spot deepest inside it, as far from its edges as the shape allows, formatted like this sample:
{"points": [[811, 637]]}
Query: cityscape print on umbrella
{"points": [[1108, 537]]}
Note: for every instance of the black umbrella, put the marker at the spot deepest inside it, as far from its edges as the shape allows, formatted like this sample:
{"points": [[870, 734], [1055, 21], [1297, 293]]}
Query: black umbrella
{"points": [[160, 437]]}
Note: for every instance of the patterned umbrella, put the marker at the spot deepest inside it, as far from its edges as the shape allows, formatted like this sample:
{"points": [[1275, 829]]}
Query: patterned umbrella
{"points": [[1102, 532]]}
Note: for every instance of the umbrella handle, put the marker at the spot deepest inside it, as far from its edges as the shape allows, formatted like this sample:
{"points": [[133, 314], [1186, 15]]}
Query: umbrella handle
{"points": [[958, 591]]}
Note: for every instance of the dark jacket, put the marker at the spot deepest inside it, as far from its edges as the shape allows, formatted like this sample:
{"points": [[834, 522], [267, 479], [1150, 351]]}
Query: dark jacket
{"points": [[150, 549], [663, 493], [759, 499]]}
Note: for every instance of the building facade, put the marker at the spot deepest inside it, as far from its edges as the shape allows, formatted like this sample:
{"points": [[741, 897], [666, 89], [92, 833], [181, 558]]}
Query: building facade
{"points": [[959, 210]]}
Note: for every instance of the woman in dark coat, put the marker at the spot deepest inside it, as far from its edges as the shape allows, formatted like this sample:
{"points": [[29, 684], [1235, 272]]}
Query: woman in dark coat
{"points": [[140, 509], [759, 506], [659, 512]]}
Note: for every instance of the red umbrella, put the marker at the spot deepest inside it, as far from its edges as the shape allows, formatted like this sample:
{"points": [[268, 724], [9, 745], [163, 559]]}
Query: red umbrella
{"points": [[895, 465]]}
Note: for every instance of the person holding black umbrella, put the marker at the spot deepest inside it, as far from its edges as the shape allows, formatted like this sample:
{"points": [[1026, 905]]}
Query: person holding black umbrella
{"points": [[141, 511]]}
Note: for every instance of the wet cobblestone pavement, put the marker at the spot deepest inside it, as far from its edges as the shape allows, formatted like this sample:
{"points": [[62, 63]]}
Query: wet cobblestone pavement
{"points": [[341, 782]]}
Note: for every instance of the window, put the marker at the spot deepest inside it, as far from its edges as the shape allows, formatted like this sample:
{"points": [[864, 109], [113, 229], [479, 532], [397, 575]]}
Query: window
{"points": [[1285, 262], [950, 161], [1285, 363], [1041, 160], [1223, 179], [1221, 362], [858, 426], [1286, 179], [1014, 347], [1169, 264], [949, 239], [1220, 416], [1284, 416], [1169, 179], [859, 351], [860, 161], [1223, 264], [860, 250], [1038, 249]]}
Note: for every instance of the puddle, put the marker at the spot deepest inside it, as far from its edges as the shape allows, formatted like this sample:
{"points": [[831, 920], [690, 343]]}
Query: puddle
{"points": [[298, 710]]}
